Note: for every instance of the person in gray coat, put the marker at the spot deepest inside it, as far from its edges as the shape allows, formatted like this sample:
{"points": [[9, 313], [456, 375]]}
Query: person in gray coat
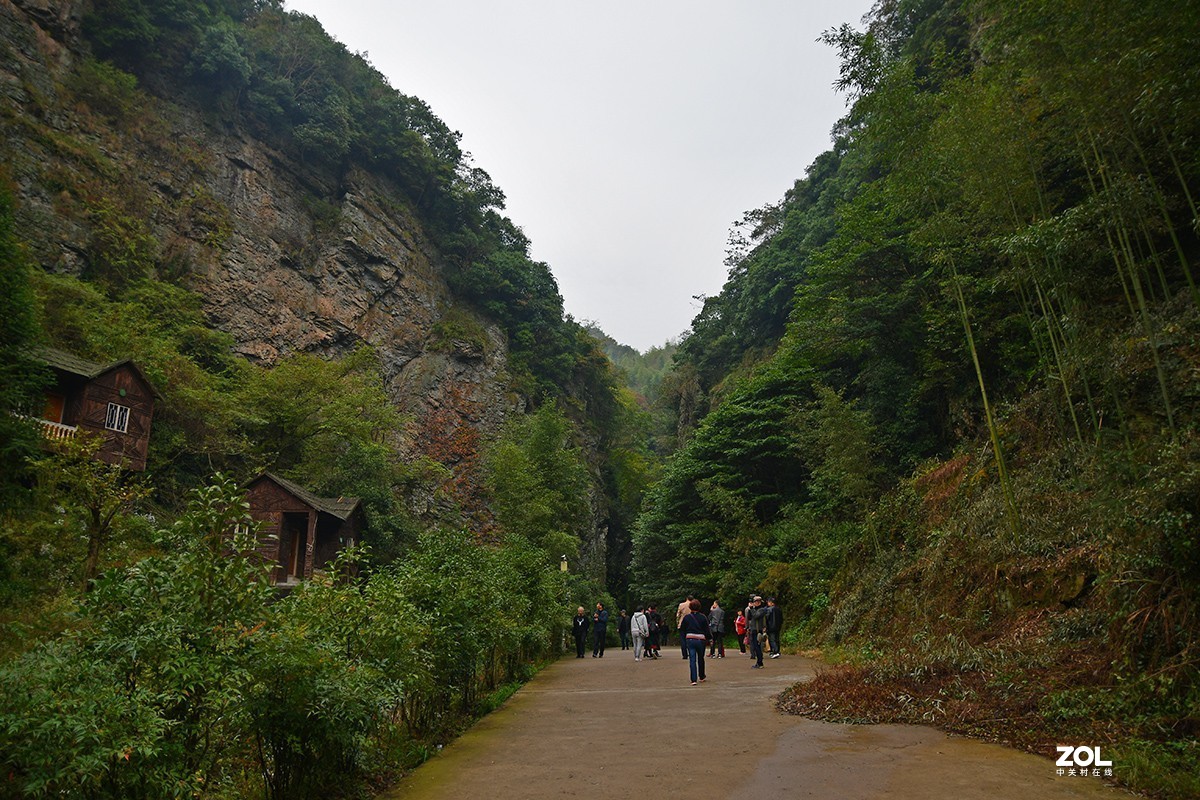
{"points": [[639, 626], [716, 624]]}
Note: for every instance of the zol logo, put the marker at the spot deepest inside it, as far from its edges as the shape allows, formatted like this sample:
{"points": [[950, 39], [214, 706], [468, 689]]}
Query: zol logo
{"points": [[1081, 756]]}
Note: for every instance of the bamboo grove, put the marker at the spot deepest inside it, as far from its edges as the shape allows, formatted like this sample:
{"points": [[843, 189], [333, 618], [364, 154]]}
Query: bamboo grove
{"points": [[948, 392]]}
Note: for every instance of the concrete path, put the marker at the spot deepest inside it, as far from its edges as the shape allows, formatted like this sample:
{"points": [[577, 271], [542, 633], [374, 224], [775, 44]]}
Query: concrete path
{"points": [[612, 728]]}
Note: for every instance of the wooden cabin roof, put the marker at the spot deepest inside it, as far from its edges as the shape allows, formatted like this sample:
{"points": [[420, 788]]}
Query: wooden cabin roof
{"points": [[74, 365], [340, 507]]}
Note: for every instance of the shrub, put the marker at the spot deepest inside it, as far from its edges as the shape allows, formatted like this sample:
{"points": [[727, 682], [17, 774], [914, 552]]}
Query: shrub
{"points": [[143, 700]]}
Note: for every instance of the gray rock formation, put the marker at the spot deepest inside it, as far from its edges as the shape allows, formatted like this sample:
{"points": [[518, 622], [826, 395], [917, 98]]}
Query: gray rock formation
{"points": [[285, 257]]}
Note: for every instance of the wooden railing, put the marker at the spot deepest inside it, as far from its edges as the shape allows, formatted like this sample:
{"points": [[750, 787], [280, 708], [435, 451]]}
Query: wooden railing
{"points": [[56, 430], [52, 430]]}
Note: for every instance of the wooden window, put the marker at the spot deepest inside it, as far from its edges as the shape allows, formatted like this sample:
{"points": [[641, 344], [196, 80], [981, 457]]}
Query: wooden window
{"points": [[118, 418]]}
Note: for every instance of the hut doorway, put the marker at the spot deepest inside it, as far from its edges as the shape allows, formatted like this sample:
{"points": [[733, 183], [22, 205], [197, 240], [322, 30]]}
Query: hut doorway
{"points": [[294, 544]]}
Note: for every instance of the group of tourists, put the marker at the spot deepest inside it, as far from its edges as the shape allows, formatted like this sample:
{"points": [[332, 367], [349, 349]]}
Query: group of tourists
{"points": [[646, 631], [759, 624]]}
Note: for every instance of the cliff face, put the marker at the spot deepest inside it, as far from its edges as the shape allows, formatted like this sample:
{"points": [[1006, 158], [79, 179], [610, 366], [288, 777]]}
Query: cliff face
{"points": [[286, 258]]}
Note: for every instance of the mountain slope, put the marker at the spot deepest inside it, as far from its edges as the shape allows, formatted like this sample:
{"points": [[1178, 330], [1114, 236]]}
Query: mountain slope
{"points": [[947, 400], [235, 152]]}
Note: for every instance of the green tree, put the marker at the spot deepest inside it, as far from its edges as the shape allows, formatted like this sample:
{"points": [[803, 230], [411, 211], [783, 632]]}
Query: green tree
{"points": [[331, 666], [837, 440], [99, 493], [144, 699], [21, 376], [539, 483], [329, 425]]}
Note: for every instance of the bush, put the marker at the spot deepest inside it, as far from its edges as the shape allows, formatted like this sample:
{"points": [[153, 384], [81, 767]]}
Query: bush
{"points": [[109, 90], [144, 699]]}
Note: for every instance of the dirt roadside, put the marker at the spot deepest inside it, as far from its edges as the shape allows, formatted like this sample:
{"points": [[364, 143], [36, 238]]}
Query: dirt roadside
{"points": [[613, 728]]}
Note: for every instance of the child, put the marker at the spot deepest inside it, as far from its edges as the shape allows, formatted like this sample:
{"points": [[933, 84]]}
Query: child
{"points": [[739, 627]]}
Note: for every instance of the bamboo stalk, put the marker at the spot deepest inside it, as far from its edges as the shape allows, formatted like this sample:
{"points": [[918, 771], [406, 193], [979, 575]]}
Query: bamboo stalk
{"points": [[1121, 421], [1026, 302], [1148, 329], [1031, 323], [1161, 201], [1001, 467], [1187, 193], [1071, 333], [1047, 314], [1051, 319], [1143, 311], [1112, 246], [1152, 252]]}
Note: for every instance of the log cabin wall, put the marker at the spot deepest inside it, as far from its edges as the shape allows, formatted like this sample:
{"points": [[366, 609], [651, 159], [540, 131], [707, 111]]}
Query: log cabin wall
{"points": [[333, 536], [268, 503], [122, 386]]}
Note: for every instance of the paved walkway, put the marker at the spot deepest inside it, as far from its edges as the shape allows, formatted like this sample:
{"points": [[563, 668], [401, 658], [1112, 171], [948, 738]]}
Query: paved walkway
{"points": [[613, 728]]}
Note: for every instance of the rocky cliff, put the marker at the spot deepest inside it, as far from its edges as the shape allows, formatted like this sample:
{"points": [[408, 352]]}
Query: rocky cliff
{"points": [[285, 258]]}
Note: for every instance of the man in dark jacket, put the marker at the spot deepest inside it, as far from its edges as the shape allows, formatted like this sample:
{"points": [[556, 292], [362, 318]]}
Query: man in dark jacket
{"points": [[579, 629], [656, 623], [623, 629], [774, 621], [756, 623], [599, 630]]}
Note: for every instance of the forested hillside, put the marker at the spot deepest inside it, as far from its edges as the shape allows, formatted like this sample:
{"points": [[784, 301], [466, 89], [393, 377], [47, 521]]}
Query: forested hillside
{"points": [[945, 407], [644, 372], [315, 281]]}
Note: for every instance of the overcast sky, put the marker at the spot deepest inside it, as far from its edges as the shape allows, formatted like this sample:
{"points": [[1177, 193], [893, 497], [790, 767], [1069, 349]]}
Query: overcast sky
{"points": [[627, 136]]}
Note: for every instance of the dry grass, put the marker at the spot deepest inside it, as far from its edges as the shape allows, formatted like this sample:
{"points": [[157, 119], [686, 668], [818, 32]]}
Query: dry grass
{"points": [[988, 705], [1072, 697]]}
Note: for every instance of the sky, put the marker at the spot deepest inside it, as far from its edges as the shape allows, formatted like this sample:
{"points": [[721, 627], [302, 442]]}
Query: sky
{"points": [[628, 137]]}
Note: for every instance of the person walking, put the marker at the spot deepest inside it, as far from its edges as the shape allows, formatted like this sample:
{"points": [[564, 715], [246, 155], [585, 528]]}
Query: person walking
{"points": [[656, 623], [639, 626], [623, 629], [599, 630], [716, 625], [739, 627], [693, 629], [579, 628], [756, 630], [774, 622], [683, 610]]}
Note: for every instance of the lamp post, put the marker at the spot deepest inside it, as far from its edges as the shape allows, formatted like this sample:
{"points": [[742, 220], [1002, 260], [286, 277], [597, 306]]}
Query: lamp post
{"points": [[562, 567]]}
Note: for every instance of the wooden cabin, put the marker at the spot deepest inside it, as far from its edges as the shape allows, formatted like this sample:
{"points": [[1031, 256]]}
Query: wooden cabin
{"points": [[301, 533], [113, 401]]}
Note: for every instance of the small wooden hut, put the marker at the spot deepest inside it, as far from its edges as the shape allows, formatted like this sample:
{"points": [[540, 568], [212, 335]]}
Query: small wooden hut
{"points": [[114, 401], [301, 533]]}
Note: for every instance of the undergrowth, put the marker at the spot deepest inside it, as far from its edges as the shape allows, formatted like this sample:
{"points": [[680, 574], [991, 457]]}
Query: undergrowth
{"points": [[1152, 741], [1081, 630]]}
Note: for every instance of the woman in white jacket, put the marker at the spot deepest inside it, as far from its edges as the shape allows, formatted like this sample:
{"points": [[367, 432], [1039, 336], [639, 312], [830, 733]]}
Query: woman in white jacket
{"points": [[640, 628]]}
